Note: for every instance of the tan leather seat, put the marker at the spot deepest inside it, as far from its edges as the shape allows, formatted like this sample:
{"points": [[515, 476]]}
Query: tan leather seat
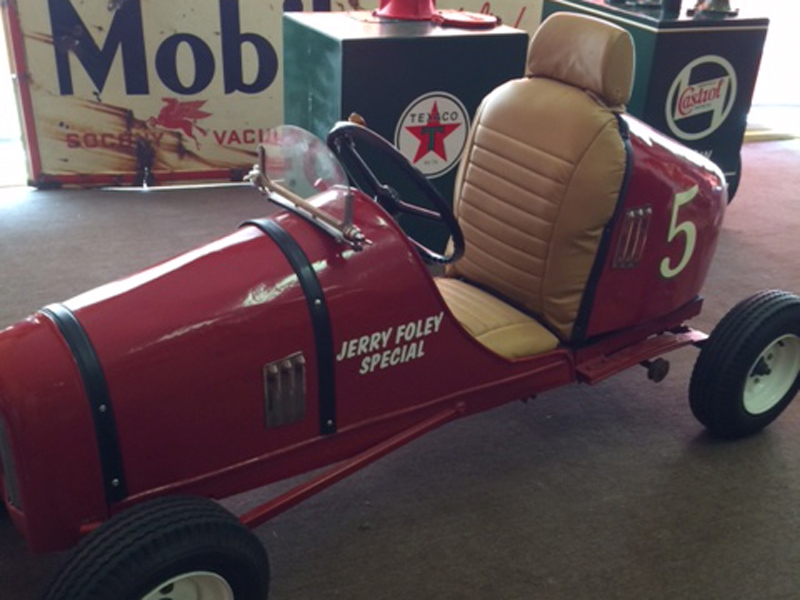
{"points": [[539, 181], [494, 323]]}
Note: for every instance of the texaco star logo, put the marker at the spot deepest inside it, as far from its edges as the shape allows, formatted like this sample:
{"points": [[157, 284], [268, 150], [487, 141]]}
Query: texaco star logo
{"points": [[432, 133]]}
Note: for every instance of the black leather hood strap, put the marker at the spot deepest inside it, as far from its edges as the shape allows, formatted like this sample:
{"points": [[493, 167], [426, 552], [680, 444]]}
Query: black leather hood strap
{"points": [[94, 382], [320, 318]]}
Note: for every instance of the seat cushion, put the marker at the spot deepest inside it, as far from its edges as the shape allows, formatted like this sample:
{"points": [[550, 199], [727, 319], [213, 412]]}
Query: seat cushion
{"points": [[495, 324], [538, 183]]}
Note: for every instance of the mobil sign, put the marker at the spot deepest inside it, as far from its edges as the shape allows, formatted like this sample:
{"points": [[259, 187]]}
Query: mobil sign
{"points": [[115, 90]]}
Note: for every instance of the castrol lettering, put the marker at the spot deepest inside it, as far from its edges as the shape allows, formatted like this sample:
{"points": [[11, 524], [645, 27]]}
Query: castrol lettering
{"points": [[702, 97]]}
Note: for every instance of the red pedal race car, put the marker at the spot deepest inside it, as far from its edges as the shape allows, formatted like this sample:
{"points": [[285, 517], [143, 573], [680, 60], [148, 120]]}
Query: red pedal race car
{"points": [[580, 239]]}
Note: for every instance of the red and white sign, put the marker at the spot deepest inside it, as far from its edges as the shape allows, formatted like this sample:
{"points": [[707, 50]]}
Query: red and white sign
{"points": [[182, 89], [432, 133], [522, 14]]}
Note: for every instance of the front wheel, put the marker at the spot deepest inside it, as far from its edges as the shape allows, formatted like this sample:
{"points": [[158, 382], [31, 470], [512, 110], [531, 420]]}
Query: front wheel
{"points": [[167, 549], [748, 371]]}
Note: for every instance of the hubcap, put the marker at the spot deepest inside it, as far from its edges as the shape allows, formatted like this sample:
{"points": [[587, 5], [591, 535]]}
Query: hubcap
{"points": [[772, 374], [200, 585]]}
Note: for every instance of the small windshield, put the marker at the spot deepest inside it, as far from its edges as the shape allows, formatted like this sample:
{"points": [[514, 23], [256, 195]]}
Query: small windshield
{"points": [[300, 162]]}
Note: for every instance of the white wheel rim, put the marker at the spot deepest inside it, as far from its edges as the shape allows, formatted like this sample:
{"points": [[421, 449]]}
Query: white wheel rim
{"points": [[772, 374], [199, 585]]}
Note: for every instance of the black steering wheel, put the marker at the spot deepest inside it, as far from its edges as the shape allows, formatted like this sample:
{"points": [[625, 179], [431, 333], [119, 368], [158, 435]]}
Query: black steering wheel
{"points": [[342, 140]]}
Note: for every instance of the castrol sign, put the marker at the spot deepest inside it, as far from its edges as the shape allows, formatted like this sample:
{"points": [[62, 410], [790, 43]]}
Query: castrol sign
{"points": [[701, 97]]}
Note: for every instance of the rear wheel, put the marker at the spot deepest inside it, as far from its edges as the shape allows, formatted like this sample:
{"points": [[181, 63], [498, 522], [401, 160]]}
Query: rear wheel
{"points": [[749, 369], [167, 549]]}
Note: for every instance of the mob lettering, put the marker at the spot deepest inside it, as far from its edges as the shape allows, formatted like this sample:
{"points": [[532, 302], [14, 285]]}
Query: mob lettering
{"points": [[126, 37]]}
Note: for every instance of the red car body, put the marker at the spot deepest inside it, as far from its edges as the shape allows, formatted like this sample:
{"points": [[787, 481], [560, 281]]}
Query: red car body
{"points": [[159, 383]]}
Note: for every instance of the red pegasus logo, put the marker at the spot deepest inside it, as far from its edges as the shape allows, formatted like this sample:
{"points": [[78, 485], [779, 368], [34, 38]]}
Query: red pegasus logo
{"points": [[181, 115]]}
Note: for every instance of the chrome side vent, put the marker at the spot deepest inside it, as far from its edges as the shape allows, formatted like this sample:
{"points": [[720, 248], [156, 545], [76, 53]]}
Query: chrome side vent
{"points": [[285, 390], [632, 240], [7, 471]]}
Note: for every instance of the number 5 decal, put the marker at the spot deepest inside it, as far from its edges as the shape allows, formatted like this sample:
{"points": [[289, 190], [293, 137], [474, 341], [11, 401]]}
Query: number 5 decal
{"points": [[687, 228]]}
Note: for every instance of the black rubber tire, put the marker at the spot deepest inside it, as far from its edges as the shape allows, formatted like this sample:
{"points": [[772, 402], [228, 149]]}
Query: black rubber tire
{"points": [[143, 548], [716, 390]]}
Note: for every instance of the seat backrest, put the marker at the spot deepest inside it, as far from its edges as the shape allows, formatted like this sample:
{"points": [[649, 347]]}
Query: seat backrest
{"points": [[543, 169]]}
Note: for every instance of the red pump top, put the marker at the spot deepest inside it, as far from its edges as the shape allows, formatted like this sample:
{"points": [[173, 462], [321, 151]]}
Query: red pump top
{"points": [[407, 10], [425, 10]]}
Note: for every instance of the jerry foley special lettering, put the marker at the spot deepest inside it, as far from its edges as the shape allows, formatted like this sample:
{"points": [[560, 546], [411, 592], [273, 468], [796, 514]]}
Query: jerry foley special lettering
{"points": [[391, 346]]}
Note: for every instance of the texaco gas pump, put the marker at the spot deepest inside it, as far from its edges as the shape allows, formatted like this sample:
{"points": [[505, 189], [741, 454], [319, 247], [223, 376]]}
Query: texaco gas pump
{"points": [[416, 82]]}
